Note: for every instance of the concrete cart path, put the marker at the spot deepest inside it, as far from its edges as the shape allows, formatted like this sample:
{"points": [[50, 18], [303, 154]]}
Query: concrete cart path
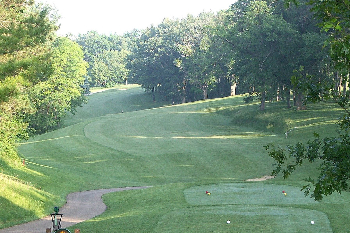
{"points": [[80, 206]]}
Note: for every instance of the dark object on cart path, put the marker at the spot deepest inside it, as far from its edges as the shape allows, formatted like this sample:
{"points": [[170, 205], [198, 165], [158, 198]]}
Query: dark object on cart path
{"points": [[80, 206]]}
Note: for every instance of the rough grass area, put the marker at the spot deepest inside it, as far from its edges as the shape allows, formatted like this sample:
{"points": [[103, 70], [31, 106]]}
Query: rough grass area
{"points": [[122, 138], [279, 119]]}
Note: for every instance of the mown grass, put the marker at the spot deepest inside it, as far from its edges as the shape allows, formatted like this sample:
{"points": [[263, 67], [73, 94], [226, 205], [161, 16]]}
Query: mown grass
{"points": [[122, 138]]}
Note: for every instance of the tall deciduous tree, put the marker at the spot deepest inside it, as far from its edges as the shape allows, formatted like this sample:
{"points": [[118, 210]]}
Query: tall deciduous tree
{"points": [[332, 153], [265, 45], [204, 58], [154, 62], [93, 45], [109, 68], [106, 56], [24, 30], [183, 60], [61, 91]]}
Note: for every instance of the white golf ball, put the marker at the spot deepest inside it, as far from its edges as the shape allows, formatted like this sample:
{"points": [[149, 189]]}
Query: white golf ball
{"points": [[312, 222], [228, 221]]}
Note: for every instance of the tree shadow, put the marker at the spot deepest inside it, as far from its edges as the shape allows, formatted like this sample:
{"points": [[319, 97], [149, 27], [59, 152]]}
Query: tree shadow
{"points": [[11, 214]]}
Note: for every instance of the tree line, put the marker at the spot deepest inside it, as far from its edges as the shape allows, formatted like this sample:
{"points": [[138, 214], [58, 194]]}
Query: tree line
{"points": [[256, 47], [40, 74]]}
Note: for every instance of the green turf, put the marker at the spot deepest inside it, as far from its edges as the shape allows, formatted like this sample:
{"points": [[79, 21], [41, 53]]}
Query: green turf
{"points": [[168, 209], [244, 219], [252, 193], [122, 138]]}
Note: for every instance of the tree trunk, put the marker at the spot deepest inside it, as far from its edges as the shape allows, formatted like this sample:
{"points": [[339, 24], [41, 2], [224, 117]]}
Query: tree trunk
{"points": [[299, 101], [345, 85], [337, 82], [153, 94], [279, 95], [262, 103], [183, 92], [233, 89], [205, 93], [287, 90]]}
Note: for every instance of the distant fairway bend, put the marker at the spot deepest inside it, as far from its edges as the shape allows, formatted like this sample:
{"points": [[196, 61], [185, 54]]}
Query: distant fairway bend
{"points": [[181, 143]]}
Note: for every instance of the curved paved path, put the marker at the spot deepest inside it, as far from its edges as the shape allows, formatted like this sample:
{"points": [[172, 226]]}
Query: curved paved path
{"points": [[80, 206]]}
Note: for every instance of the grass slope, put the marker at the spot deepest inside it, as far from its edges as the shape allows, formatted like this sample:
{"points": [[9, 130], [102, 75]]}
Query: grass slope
{"points": [[123, 138]]}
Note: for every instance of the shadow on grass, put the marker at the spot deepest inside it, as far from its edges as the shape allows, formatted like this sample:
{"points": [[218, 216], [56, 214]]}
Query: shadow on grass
{"points": [[12, 214]]}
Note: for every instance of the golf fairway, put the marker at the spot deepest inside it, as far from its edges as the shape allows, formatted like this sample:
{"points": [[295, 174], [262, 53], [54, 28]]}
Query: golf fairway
{"points": [[182, 151]]}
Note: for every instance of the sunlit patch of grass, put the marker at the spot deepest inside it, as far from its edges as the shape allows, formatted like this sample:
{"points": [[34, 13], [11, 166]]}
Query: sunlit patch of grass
{"points": [[222, 136], [49, 139], [21, 198], [117, 87]]}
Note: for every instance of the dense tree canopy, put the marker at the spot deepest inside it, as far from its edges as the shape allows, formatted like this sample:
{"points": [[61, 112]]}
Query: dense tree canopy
{"points": [[24, 29], [258, 45], [61, 91], [183, 60], [266, 48], [106, 57], [40, 76], [332, 153], [269, 43]]}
